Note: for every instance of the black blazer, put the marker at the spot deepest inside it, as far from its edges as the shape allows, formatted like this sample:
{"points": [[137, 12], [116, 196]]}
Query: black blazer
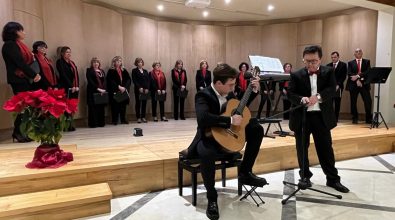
{"points": [[177, 82], [299, 87], [340, 73], [66, 74], [203, 82], [93, 84], [140, 80], [208, 114], [113, 81], [44, 83], [13, 60], [154, 85], [353, 69]]}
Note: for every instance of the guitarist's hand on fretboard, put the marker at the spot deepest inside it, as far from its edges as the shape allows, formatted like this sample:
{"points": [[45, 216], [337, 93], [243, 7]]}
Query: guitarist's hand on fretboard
{"points": [[255, 84]]}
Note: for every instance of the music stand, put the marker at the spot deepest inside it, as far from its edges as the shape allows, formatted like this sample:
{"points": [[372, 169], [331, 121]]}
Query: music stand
{"points": [[377, 75]]}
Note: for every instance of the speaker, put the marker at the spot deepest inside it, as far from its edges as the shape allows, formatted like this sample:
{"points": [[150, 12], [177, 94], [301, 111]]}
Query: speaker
{"points": [[137, 132]]}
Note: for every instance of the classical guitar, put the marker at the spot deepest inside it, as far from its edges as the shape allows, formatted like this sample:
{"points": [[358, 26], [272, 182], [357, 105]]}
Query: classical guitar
{"points": [[233, 138]]}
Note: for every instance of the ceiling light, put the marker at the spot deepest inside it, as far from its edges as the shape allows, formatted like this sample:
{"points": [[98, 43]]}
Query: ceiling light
{"points": [[270, 7], [227, 1], [205, 13], [160, 7]]}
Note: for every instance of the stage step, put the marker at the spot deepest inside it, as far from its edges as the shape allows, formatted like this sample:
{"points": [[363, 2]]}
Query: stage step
{"points": [[66, 203]]}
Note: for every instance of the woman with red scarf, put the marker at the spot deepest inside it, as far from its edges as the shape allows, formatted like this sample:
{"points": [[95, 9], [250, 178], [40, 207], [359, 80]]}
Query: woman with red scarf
{"points": [[48, 77], [179, 78], [142, 83], [242, 83], [118, 81], [203, 76], [96, 85], [17, 58], [68, 77], [158, 88]]}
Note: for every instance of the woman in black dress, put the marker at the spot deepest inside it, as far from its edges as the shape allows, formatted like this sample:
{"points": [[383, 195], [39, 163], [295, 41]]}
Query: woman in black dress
{"points": [[17, 58], [158, 88], [179, 78], [96, 85], [142, 82], [118, 81], [49, 79]]}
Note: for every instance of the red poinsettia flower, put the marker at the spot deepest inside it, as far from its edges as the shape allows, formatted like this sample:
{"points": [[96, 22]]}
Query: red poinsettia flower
{"points": [[15, 104], [71, 106]]}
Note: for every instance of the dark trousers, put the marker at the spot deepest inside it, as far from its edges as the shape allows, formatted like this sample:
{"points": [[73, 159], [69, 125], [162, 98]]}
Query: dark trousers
{"points": [[17, 88], [118, 110], [178, 102], [264, 98], [96, 115], [141, 105], [323, 145], [367, 100], [161, 108], [208, 149], [337, 101], [286, 106]]}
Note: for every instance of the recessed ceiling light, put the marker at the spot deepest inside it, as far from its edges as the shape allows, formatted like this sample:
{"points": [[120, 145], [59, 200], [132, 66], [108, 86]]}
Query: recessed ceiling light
{"points": [[270, 7], [227, 1], [205, 13], [160, 7]]}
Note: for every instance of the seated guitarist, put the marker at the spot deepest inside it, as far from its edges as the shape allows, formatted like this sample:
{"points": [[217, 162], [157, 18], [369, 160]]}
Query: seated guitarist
{"points": [[209, 104]]}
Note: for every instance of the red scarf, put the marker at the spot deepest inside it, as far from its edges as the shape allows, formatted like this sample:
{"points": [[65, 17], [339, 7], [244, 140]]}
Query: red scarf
{"points": [[75, 71], [26, 55], [176, 73], [204, 70], [286, 82], [242, 82], [160, 79], [46, 68], [99, 76], [119, 73]]}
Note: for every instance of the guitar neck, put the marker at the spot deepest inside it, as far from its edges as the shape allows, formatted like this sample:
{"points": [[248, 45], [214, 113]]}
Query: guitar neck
{"points": [[244, 100]]}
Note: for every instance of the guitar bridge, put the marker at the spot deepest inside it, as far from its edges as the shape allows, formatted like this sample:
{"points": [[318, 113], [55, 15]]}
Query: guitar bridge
{"points": [[229, 131]]}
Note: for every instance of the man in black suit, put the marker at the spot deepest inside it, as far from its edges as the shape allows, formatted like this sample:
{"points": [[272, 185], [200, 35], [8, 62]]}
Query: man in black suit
{"points": [[210, 103], [355, 84], [314, 86], [340, 70]]}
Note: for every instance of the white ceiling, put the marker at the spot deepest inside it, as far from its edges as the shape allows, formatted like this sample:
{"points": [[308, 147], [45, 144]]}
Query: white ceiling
{"points": [[236, 10]]}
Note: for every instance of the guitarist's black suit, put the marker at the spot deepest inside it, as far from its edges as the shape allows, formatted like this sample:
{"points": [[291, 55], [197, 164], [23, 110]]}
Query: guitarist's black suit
{"points": [[208, 113]]}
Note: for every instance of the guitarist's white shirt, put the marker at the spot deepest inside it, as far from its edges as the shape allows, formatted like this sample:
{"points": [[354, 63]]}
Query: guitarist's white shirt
{"points": [[222, 99]]}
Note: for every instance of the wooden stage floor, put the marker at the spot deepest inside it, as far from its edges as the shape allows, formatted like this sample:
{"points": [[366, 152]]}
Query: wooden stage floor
{"points": [[138, 164]]}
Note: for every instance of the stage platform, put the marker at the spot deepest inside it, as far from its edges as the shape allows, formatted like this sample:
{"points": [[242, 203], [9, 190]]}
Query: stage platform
{"points": [[139, 164]]}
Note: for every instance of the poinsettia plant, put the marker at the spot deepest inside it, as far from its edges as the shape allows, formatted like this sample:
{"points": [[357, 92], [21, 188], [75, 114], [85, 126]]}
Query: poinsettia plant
{"points": [[43, 113]]}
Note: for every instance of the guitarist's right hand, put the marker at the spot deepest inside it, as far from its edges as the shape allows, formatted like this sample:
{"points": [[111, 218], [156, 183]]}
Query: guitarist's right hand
{"points": [[236, 120]]}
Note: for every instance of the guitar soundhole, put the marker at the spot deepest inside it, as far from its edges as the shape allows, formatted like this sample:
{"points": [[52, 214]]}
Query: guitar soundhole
{"points": [[234, 112]]}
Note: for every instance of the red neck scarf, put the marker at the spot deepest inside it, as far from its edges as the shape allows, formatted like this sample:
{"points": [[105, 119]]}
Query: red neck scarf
{"points": [[160, 80], [119, 73], [204, 70], [177, 75], [75, 71], [26, 55], [242, 82], [99, 77], [46, 68], [286, 82]]}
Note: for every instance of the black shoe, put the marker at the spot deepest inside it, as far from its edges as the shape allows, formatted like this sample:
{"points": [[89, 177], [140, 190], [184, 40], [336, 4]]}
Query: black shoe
{"points": [[212, 211], [305, 183], [182, 118], [355, 121], [124, 122], [251, 179], [19, 138], [114, 123], [368, 121], [71, 128], [338, 186]]}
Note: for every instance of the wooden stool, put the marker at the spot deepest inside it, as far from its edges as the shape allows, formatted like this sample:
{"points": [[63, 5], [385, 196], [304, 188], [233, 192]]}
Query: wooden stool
{"points": [[193, 166]]}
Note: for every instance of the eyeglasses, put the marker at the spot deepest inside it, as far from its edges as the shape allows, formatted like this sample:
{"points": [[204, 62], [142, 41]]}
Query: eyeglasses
{"points": [[312, 62]]}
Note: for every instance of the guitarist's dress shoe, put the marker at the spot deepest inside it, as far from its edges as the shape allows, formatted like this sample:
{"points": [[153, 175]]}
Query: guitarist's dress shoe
{"points": [[304, 183], [251, 179], [338, 186], [212, 210]]}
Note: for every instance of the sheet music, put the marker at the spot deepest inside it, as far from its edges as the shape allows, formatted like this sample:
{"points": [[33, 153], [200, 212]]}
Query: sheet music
{"points": [[266, 64]]}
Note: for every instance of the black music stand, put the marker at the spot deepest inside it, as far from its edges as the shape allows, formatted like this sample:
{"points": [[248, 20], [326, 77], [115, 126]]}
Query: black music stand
{"points": [[377, 75], [303, 185]]}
